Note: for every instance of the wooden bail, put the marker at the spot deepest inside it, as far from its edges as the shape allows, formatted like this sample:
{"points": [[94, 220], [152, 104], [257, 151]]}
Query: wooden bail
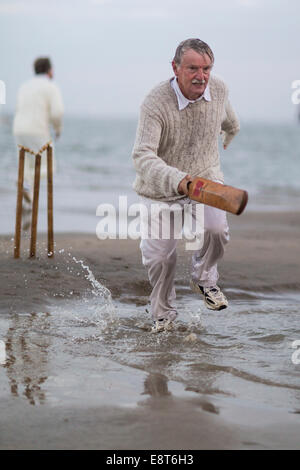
{"points": [[17, 241], [50, 201], [35, 205]]}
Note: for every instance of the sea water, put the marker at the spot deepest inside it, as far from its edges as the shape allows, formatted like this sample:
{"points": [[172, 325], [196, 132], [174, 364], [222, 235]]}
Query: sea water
{"points": [[95, 167], [245, 352]]}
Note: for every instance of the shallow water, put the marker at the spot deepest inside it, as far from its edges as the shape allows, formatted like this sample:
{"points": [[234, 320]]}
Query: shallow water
{"points": [[243, 353]]}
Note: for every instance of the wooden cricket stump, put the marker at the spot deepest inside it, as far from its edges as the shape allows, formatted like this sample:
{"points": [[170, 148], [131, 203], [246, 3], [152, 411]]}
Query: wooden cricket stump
{"points": [[35, 201]]}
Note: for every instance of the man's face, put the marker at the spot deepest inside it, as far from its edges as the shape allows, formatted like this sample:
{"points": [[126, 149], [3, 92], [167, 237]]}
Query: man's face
{"points": [[193, 73]]}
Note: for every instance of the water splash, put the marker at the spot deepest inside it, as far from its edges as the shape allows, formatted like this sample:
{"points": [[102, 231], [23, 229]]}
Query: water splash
{"points": [[98, 290]]}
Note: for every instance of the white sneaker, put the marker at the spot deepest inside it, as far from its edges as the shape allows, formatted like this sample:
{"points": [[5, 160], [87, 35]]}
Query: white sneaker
{"points": [[214, 298], [164, 324]]}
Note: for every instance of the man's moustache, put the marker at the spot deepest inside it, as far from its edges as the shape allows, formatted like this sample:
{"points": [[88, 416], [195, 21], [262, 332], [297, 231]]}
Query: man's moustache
{"points": [[198, 82]]}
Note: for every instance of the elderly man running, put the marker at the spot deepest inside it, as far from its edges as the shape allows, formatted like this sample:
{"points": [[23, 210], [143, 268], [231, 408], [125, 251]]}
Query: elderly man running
{"points": [[177, 139]]}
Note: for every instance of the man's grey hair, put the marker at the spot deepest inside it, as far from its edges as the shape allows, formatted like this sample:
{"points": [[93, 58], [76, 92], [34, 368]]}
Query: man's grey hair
{"points": [[197, 45]]}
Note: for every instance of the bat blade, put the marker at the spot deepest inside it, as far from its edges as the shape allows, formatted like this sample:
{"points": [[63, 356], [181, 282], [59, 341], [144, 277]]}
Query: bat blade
{"points": [[218, 195]]}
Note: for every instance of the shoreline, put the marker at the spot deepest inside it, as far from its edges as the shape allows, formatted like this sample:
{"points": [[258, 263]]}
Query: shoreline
{"points": [[262, 256]]}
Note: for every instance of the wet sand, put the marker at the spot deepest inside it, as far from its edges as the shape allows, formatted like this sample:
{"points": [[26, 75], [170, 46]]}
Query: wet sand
{"points": [[86, 401], [263, 255]]}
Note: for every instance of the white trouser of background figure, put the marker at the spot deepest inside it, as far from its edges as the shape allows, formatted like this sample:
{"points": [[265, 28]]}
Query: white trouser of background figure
{"points": [[34, 143], [159, 252]]}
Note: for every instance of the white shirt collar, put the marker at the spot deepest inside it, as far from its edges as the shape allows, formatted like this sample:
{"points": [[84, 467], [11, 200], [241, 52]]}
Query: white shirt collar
{"points": [[182, 100], [44, 76]]}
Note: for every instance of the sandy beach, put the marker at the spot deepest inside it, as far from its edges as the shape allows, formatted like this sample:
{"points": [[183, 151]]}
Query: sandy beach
{"points": [[263, 255], [82, 392]]}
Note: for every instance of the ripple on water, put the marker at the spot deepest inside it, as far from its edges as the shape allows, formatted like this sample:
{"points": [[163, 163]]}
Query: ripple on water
{"points": [[248, 342]]}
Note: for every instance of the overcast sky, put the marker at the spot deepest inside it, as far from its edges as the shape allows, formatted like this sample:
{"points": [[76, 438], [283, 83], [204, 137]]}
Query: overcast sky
{"points": [[108, 54]]}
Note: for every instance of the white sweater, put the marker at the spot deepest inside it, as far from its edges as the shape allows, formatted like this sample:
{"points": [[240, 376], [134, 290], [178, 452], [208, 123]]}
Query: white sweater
{"points": [[39, 104], [171, 143]]}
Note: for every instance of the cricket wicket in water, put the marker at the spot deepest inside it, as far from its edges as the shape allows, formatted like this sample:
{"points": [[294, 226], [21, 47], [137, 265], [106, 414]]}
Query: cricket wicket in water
{"points": [[35, 201]]}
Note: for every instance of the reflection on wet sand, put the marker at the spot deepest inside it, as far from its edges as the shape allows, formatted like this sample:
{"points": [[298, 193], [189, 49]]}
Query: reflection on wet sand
{"points": [[156, 385], [26, 361]]}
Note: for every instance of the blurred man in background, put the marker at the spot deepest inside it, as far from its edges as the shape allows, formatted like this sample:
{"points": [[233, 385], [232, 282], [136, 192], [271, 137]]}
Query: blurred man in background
{"points": [[39, 105]]}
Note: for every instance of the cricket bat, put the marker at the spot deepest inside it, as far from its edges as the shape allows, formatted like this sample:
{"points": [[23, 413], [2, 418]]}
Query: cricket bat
{"points": [[218, 195]]}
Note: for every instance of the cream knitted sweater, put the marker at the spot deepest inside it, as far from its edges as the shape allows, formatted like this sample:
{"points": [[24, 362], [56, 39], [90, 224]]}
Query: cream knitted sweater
{"points": [[171, 143], [39, 104]]}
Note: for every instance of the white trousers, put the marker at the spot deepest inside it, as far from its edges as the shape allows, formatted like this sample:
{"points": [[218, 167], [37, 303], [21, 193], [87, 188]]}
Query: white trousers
{"points": [[35, 143], [159, 254]]}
